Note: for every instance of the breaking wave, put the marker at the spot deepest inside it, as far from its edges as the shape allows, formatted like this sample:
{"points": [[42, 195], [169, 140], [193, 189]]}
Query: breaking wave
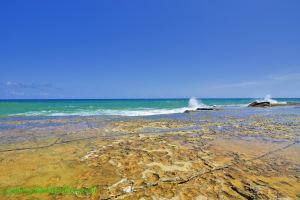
{"points": [[141, 112], [194, 103], [272, 101]]}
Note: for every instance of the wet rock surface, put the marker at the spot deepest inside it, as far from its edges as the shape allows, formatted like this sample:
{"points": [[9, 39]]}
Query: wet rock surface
{"points": [[260, 104], [197, 157], [201, 109]]}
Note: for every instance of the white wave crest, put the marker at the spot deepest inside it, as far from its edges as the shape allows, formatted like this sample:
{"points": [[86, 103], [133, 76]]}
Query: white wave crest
{"points": [[141, 112], [272, 101], [194, 103]]}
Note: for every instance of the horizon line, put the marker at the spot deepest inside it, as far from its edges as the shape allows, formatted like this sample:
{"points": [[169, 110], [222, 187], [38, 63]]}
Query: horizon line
{"points": [[154, 98]]}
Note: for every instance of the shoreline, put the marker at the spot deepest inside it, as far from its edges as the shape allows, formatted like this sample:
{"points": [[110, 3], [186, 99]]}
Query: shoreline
{"points": [[230, 154]]}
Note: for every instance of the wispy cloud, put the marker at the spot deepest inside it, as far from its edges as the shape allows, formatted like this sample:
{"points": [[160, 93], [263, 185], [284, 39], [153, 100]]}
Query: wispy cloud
{"points": [[27, 90], [14, 93], [285, 77], [13, 84], [271, 79], [235, 85]]}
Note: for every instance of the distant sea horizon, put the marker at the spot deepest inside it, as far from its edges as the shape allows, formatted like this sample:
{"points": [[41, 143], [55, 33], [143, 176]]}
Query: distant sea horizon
{"points": [[142, 98], [122, 107]]}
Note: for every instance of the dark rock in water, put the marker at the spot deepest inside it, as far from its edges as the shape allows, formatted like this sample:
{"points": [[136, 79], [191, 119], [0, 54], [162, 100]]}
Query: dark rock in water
{"points": [[205, 109], [199, 109], [260, 104]]}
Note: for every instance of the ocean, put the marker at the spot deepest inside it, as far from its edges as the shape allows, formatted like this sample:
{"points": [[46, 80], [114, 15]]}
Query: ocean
{"points": [[122, 107]]}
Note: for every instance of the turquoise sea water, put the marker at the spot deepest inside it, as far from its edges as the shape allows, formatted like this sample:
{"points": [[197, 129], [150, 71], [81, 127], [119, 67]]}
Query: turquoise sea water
{"points": [[125, 107]]}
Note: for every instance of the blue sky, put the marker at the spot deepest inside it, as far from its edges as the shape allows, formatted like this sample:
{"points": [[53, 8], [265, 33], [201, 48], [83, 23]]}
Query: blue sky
{"points": [[149, 49]]}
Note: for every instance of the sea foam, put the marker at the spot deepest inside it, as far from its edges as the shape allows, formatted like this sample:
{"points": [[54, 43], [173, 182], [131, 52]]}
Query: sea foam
{"points": [[140, 112], [272, 101]]}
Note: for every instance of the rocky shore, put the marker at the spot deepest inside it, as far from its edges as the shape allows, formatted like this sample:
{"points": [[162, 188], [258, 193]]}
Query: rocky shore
{"points": [[198, 157]]}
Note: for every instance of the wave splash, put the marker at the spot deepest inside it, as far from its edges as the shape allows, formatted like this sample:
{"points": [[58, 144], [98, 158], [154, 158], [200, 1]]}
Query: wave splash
{"points": [[272, 101], [194, 103]]}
